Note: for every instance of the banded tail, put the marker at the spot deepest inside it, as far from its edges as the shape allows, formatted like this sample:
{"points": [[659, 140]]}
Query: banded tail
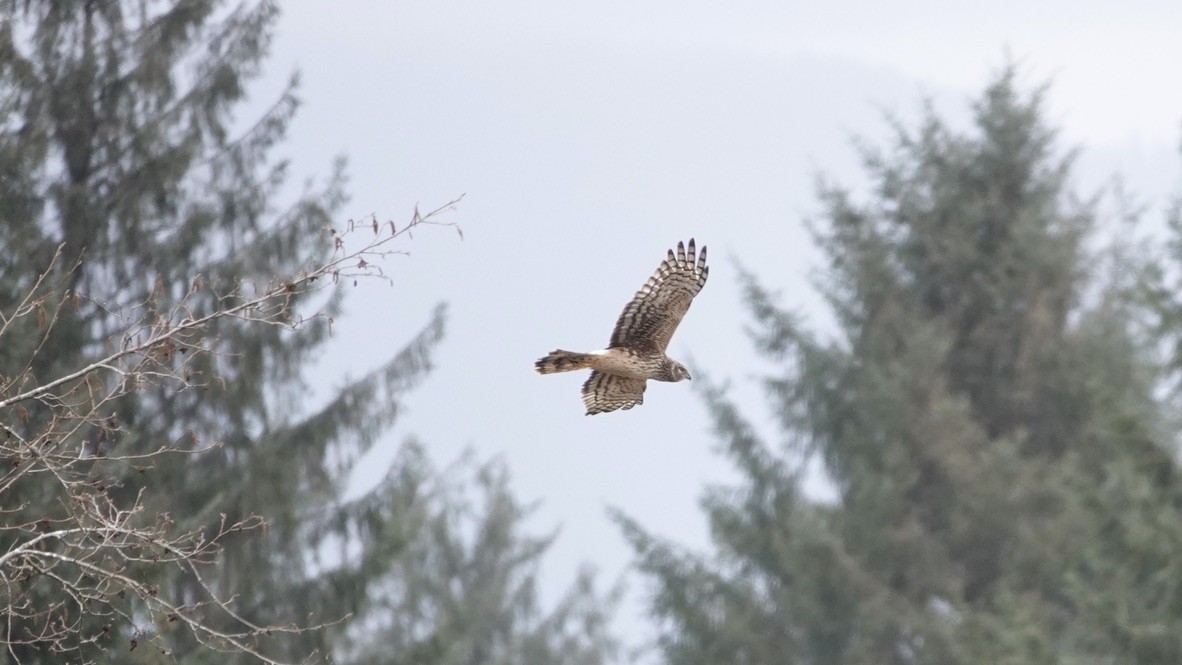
{"points": [[562, 361]]}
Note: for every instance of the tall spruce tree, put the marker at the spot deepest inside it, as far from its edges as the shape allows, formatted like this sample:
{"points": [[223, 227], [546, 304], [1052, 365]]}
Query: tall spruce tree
{"points": [[116, 146], [987, 413], [121, 126]]}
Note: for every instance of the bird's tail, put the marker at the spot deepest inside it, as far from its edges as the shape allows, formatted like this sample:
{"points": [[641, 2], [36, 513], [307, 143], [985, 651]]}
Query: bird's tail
{"points": [[562, 361]]}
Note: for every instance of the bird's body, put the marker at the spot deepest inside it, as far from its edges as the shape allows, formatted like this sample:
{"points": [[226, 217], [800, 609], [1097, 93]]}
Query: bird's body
{"points": [[618, 361], [636, 353]]}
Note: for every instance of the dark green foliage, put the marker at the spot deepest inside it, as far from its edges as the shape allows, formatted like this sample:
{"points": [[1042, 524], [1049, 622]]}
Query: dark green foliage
{"points": [[987, 415]]}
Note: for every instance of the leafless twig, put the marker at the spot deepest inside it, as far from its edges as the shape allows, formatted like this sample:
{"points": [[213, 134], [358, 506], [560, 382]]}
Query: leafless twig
{"points": [[86, 554]]}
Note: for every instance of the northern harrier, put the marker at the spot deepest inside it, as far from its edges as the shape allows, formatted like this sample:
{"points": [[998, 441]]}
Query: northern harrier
{"points": [[636, 352]]}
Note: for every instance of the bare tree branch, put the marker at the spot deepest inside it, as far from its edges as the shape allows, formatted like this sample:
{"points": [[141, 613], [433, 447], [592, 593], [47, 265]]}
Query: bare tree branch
{"points": [[87, 554]]}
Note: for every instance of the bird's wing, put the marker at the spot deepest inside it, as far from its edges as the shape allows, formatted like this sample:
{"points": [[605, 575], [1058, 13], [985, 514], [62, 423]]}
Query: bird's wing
{"points": [[649, 320], [608, 392]]}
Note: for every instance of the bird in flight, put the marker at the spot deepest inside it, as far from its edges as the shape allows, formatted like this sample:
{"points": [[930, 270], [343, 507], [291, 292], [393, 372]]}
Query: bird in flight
{"points": [[636, 352]]}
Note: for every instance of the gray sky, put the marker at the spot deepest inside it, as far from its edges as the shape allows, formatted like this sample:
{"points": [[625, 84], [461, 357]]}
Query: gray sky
{"points": [[588, 139]]}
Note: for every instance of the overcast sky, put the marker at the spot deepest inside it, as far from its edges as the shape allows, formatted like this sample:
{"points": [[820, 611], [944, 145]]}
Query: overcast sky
{"points": [[589, 139]]}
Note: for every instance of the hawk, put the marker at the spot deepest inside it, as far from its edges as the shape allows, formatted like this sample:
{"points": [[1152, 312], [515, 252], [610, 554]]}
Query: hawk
{"points": [[636, 352]]}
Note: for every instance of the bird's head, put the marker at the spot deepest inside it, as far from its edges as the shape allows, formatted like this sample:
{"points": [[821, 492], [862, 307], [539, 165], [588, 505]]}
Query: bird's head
{"points": [[678, 371]]}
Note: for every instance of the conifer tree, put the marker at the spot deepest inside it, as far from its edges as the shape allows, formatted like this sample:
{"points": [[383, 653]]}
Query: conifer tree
{"points": [[988, 417], [126, 193]]}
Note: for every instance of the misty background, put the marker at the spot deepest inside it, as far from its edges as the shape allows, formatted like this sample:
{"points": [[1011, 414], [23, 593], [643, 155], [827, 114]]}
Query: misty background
{"points": [[589, 139]]}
